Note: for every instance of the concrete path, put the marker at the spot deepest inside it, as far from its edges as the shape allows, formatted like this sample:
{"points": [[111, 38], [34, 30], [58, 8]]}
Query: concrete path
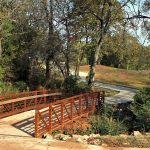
{"points": [[125, 94]]}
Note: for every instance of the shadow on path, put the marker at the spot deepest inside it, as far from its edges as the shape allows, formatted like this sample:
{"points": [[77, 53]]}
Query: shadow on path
{"points": [[26, 125]]}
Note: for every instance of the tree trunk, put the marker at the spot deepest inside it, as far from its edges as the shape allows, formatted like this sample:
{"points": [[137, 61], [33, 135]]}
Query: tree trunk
{"points": [[47, 73], [49, 15], [93, 64], [67, 67], [0, 48], [77, 68]]}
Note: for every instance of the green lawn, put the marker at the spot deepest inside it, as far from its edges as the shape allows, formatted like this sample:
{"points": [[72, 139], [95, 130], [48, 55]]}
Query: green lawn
{"points": [[131, 78]]}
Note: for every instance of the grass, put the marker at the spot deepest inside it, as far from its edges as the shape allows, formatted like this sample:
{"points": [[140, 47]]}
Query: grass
{"points": [[124, 141], [131, 78]]}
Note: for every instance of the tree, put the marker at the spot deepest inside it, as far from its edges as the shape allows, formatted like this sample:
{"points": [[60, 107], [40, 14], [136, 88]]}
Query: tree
{"points": [[105, 14]]}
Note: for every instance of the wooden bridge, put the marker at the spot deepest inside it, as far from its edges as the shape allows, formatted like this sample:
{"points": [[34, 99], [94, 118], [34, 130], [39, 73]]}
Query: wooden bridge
{"points": [[51, 111]]}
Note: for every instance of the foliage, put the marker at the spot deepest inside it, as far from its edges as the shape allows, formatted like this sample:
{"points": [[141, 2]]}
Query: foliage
{"points": [[7, 88], [141, 110], [58, 35], [72, 85], [103, 125], [56, 132], [54, 84], [21, 86], [36, 78], [1, 73]]}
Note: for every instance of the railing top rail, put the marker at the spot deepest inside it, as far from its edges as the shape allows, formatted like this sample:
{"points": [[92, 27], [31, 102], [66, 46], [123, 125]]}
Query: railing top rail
{"points": [[24, 94], [66, 99], [28, 97]]}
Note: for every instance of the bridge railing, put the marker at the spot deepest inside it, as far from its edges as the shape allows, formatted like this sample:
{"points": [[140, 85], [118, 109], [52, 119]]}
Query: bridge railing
{"points": [[25, 94], [55, 115], [40, 99]]}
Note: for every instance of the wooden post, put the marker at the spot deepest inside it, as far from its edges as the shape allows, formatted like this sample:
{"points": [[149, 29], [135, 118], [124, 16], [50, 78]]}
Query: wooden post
{"points": [[62, 115], [92, 99], [71, 109], [87, 102], [50, 119], [36, 122], [80, 105], [44, 99], [35, 100], [25, 105], [12, 105], [99, 101]]}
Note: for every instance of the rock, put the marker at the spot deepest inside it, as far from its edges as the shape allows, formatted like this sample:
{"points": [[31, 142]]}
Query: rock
{"points": [[79, 140], [85, 137], [62, 137], [137, 133], [75, 136], [47, 136], [94, 135], [147, 133], [94, 141]]}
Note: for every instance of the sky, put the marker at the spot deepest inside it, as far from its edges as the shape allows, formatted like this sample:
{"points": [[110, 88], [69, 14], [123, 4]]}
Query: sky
{"points": [[138, 31]]}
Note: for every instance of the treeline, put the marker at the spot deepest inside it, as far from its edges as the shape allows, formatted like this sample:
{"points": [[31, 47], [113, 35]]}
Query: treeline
{"points": [[43, 40]]}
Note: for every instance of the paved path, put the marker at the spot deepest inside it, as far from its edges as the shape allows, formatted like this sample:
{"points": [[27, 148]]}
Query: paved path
{"points": [[125, 94]]}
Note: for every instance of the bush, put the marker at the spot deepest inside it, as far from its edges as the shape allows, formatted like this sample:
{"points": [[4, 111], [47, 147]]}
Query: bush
{"points": [[142, 97], [36, 78], [141, 110], [21, 86], [7, 88], [54, 84], [1, 73], [72, 86], [103, 125]]}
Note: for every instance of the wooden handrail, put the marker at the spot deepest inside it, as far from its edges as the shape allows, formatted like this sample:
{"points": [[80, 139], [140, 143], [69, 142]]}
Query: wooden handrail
{"points": [[18, 105], [28, 97], [25, 94], [56, 114]]}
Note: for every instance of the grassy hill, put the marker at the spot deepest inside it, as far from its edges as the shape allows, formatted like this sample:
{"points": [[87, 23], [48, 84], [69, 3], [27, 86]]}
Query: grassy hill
{"points": [[132, 78]]}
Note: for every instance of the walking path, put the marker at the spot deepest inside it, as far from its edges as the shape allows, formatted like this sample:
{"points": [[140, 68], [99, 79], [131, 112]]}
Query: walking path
{"points": [[125, 94]]}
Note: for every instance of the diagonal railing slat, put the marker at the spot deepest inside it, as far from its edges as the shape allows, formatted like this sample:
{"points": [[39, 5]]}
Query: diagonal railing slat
{"points": [[68, 109], [17, 105]]}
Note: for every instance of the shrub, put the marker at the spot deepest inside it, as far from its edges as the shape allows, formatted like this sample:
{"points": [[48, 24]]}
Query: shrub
{"points": [[141, 110], [103, 125], [142, 97], [21, 86], [72, 86], [7, 88], [54, 84], [1, 73], [54, 133], [36, 78]]}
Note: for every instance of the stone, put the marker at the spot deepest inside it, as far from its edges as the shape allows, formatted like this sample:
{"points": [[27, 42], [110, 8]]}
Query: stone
{"points": [[94, 141], [94, 135], [79, 140], [85, 137], [47, 136], [63, 137], [137, 133]]}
